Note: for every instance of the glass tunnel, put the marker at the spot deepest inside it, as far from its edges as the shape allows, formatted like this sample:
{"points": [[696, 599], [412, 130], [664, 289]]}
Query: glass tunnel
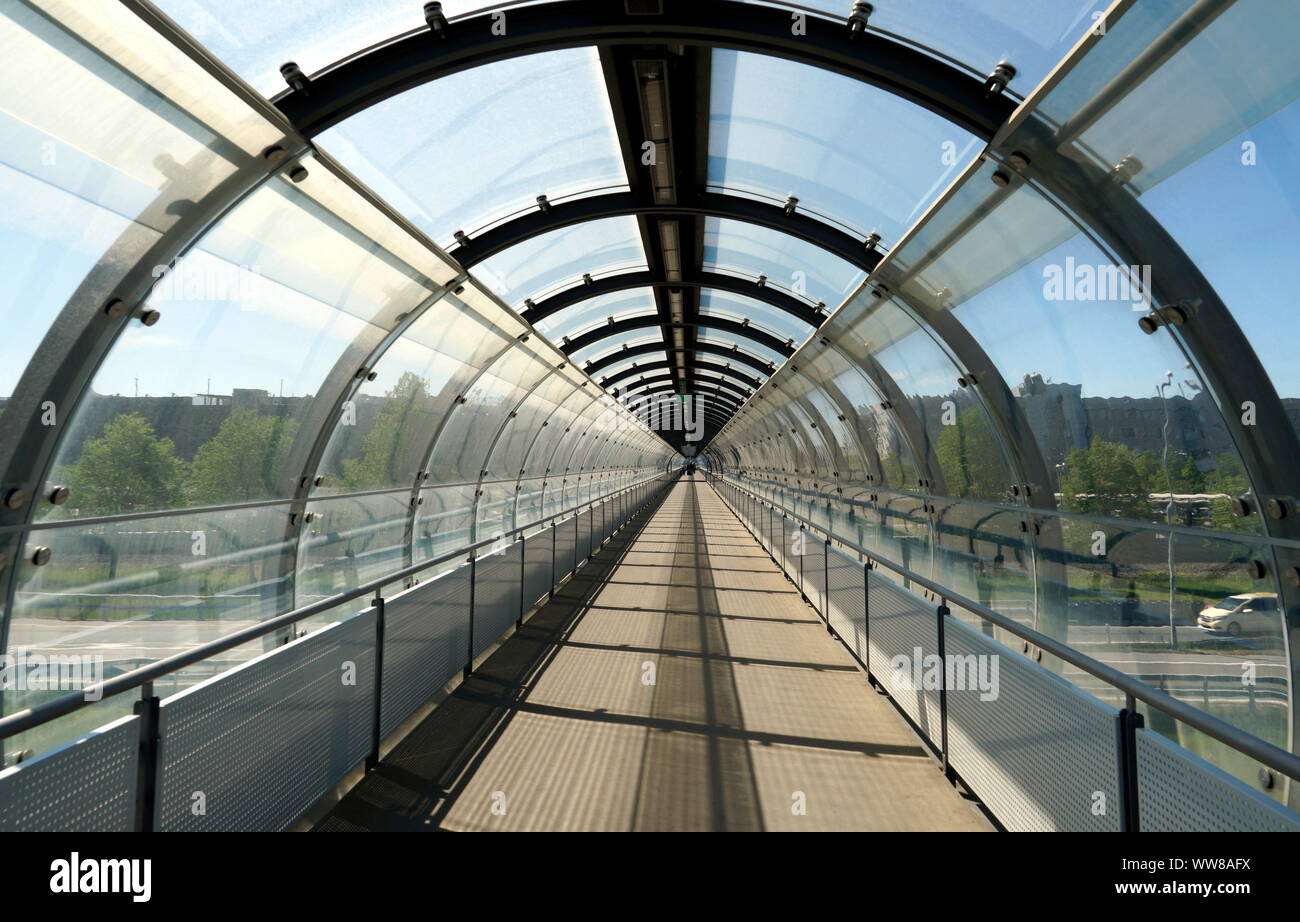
{"points": [[324, 322]]}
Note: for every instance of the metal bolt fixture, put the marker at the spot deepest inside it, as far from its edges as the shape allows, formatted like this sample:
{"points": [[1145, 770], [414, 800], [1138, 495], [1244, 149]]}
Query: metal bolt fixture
{"points": [[1123, 172], [791, 205], [59, 495], [1243, 505], [149, 317], [38, 555], [435, 19], [115, 308], [872, 241], [1279, 507], [298, 173], [859, 17], [1257, 569], [544, 204], [1018, 160], [462, 238], [17, 498], [372, 376], [1266, 779], [998, 80], [1175, 315], [320, 480], [1001, 178], [294, 76], [274, 154]]}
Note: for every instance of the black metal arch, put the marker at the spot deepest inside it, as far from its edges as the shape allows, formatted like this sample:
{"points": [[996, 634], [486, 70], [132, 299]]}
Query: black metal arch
{"points": [[417, 58], [473, 250], [656, 366], [735, 354], [715, 281], [696, 383], [720, 401], [627, 324]]}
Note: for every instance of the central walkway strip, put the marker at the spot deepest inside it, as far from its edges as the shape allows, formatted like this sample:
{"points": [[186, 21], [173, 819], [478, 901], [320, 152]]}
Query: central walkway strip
{"points": [[676, 682]]}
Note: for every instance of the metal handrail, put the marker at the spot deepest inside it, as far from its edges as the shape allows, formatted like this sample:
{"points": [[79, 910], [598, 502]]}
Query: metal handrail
{"points": [[1278, 759], [28, 718]]}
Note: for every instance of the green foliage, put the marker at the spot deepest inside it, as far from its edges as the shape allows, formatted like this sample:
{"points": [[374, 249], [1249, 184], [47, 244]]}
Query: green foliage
{"points": [[388, 446], [970, 459], [1105, 479], [242, 462], [1112, 480], [127, 469]]}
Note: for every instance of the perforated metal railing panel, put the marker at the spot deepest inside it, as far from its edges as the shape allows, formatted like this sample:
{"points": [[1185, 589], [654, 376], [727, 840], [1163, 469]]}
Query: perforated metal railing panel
{"points": [[86, 785], [496, 594], [1179, 791], [846, 600], [1039, 752], [813, 570], [426, 641], [564, 541], [253, 748], [583, 526], [537, 567], [902, 631]]}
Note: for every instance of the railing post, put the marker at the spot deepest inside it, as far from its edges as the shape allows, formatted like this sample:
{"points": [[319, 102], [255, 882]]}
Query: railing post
{"points": [[148, 709], [826, 586], [469, 661], [942, 612], [523, 573], [372, 760], [866, 617], [550, 593], [1127, 723]]}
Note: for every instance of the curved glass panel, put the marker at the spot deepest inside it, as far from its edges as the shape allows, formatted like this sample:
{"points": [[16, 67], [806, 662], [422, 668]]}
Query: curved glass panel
{"points": [[819, 139], [610, 344], [474, 147], [92, 194], [979, 33], [807, 271], [722, 338], [254, 40], [765, 317], [544, 264], [616, 304], [210, 398], [382, 436], [462, 447]]}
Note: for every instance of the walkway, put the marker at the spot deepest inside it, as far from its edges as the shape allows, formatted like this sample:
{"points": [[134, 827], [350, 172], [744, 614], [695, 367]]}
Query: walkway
{"points": [[677, 682]]}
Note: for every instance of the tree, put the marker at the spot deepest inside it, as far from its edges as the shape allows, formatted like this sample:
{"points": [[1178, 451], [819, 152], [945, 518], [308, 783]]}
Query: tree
{"points": [[243, 461], [387, 449], [126, 469], [970, 459], [1105, 479]]}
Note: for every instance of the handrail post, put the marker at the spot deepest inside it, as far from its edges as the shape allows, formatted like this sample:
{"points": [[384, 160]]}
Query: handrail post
{"points": [[866, 617], [523, 573], [149, 710], [372, 760], [469, 661], [941, 614], [1127, 722], [826, 586], [550, 593]]}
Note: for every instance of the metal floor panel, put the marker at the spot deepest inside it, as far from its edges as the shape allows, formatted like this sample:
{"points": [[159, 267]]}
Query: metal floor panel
{"points": [[655, 692]]}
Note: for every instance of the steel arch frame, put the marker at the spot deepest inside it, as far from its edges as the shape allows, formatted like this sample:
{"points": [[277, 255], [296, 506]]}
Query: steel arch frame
{"points": [[571, 345], [707, 281], [592, 366]]}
